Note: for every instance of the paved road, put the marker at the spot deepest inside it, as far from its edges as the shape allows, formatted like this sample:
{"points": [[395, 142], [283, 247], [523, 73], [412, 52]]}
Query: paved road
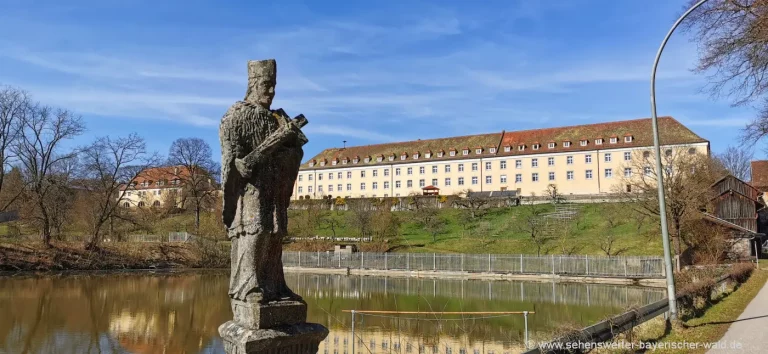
{"points": [[749, 330]]}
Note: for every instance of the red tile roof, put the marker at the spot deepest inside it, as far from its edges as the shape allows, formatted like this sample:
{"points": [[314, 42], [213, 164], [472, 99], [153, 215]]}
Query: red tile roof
{"points": [[760, 174], [166, 174], [671, 132]]}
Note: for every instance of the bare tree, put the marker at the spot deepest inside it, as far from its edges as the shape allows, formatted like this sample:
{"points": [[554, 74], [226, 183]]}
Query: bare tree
{"points": [[472, 202], [332, 220], [687, 179], [553, 194], [15, 106], [109, 167], [196, 174], [39, 149], [532, 224], [737, 161], [732, 36], [428, 217]]}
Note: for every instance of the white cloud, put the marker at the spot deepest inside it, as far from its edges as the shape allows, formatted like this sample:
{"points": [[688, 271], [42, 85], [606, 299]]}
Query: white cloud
{"points": [[347, 132]]}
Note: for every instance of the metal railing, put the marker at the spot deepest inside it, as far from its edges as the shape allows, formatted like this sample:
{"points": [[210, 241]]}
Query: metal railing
{"points": [[626, 266]]}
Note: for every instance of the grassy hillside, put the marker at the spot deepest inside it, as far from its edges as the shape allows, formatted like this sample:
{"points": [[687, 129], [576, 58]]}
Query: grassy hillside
{"points": [[501, 230]]}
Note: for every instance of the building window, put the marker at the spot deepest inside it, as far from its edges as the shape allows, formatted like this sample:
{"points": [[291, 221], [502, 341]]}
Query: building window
{"points": [[319, 176], [409, 184], [627, 172], [487, 166], [583, 142], [375, 185], [409, 171], [587, 158], [488, 179], [465, 152], [668, 152], [416, 156], [461, 181], [301, 178], [447, 181], [690, 151], [362, 186], [310, 177], [330, 175], [569, 175], [338, 188], [452, 153], [478, 151], [608, 173], [507, 148], [599, 141], [627, 156], [339, 175], [447, 168], [309, 189], [428, 155], [492, 150], [362, 174], [421, 183], [566, 144], [474, 180], [518, 163], [434, 169], [534, 162], [550, 161], [607, 157], [551, 145], [503, 179], [628, 139], [646, 154], [440, 154], [375, 173], [392, 158], [588, 174], [461, 167], [434, 182], [521, 147], [569, 160], [367, 160], [379, 159], [536, 146], [397, 184], [330, 188], [421, 170], [519, 178], [535, 177], [614, 140], [356, 160], [474, 166], [647, 170], [301, 189], [386, 172], [349, 186], [503, 165], [311, 163]]}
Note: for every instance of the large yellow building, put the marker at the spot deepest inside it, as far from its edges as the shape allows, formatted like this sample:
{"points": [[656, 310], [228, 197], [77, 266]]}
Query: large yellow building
{"points": [[582, 159]]}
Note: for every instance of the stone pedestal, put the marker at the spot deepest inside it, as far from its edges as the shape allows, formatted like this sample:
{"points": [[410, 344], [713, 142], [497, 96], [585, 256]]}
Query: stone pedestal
{"points": [[303, 338], [274, 328]]}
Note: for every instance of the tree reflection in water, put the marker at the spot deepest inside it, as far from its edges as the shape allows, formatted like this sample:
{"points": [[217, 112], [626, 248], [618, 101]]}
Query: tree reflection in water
{"points": [[140, 312]]}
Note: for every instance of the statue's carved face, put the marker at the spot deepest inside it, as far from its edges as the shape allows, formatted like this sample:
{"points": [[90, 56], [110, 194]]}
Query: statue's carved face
{"points": [[265, 91]]}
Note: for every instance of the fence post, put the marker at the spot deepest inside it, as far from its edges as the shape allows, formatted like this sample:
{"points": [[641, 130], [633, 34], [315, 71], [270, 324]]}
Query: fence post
{"points": [[299, 259], [462, 262], [521, 263], [625, 268], [318, 259], [553, 264], [385, 261], [525, 314], [408, 261], [586, 258], [490, 269], [434, 261], [339, 260], [362, 260]]}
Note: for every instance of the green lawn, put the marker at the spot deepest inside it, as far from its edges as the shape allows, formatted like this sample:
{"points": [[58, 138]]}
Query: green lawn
{"points": [[499, 231]]}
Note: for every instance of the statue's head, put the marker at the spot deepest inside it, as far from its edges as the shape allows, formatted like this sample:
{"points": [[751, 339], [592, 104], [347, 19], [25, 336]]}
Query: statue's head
{"points": [[262, 78]]}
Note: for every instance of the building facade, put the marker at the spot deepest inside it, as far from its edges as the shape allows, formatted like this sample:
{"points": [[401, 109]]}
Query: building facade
{"points": [[155, 187], [584, 159]]}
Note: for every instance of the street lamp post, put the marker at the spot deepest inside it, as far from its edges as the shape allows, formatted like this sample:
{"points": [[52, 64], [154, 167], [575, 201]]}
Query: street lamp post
{"points": [[660, 173]]}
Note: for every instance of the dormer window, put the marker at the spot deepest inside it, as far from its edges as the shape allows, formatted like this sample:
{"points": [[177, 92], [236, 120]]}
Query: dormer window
{"points": [[416, 156], [379, 159], [628, 139], [322, 163], [453, 153], [356, 160], [465, 152], [566, 144], [507, 148], [521, 147], [536, 146], [367, 159], [440, 154], [551, 145], [428, 155], [492, 150], [478, 151], [599, 141], [403, 156], [391, 157], [345, 161], [583, 142], [334, 162], [311, 163], [614, 140]]}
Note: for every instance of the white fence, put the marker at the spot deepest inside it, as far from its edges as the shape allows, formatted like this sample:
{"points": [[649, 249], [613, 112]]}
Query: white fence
{"points": [[627, 267], [172, 237]]}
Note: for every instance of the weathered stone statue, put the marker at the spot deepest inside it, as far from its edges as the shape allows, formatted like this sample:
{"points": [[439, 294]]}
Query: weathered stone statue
{"points": [[261, 150]]}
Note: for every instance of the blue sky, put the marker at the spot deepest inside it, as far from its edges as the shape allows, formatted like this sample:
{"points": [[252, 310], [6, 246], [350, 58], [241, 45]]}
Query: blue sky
{"points": [[366, 72]]}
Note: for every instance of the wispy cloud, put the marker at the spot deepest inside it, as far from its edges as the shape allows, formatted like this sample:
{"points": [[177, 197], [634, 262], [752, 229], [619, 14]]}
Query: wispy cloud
{"points": [[348, 132]]}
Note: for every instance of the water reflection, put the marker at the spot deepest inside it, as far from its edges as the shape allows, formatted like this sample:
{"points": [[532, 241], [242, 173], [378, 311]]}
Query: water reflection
{"points": [[180, 312]]}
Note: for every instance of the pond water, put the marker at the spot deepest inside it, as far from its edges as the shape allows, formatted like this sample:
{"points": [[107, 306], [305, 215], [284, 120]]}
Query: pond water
{"points": [[142, 312]]}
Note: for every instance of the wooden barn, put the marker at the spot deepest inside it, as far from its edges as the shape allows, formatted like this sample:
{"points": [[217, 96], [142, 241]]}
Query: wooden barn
{"points": [[736, 205]]}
